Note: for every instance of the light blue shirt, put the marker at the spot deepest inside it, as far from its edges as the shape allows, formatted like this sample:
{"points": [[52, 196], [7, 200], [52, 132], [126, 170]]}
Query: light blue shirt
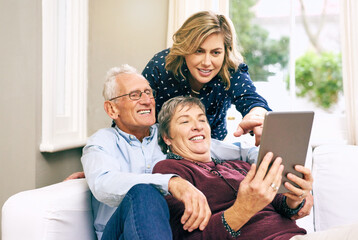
{"points": [[115, 161]]}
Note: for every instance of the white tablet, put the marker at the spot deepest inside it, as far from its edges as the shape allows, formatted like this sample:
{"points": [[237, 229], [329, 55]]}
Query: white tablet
{"points": [[286, 135]]}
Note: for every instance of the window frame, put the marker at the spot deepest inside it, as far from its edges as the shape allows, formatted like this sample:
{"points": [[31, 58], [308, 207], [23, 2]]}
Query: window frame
{"points": [[64, 74]]}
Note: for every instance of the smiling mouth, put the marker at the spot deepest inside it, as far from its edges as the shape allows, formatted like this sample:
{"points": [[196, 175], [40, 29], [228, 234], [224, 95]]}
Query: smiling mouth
{"points": [[201, 137], [204, 71], [144, 111]]}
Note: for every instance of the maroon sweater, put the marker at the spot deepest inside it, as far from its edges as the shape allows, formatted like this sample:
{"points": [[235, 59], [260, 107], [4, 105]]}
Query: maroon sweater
{"points": [[269, 223]]}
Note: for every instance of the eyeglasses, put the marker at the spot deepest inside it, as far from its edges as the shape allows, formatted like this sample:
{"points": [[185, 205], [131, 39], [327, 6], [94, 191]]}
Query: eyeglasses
{"points": [[136, 95]]}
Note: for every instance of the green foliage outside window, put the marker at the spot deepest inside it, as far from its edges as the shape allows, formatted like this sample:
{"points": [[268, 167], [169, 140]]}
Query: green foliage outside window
{"points": [[318, 74], [319, 77], [260, 52]]}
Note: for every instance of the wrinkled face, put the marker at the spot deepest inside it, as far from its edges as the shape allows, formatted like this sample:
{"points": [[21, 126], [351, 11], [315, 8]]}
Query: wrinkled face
{"points": [[207, 61], [190, 134], [134, 115]]}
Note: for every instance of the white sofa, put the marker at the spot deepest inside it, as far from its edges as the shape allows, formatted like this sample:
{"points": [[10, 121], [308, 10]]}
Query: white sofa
{"points": [[63, 210]]}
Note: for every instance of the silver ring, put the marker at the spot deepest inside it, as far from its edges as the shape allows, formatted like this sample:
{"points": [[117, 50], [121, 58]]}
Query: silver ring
{"points": [[274, 187], [302, 195]]}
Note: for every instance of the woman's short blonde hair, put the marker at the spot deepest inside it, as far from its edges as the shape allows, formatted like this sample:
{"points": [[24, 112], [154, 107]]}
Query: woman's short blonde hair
{"points": [[194, 32]]}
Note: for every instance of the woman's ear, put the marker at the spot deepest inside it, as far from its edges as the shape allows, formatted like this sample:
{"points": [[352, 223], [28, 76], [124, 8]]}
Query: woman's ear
{"points": [[167, 140], [111, 109]]}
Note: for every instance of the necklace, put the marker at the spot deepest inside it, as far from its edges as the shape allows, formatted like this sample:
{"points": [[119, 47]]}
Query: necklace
{"points": [[195, 92]]}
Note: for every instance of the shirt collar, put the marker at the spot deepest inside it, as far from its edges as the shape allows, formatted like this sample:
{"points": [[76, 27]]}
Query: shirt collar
{"points": [[131, 138]]}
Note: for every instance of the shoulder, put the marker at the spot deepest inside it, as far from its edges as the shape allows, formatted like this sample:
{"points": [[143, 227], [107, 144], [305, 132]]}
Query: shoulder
{"points": [[172, 166], [105, 137], [167, 165], [160, 57], [103, 134], [156, 65], [242, 69]]}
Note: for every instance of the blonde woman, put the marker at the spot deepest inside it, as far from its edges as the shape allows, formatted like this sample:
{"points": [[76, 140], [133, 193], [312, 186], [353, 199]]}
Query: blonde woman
{"points": [[204, 62]]}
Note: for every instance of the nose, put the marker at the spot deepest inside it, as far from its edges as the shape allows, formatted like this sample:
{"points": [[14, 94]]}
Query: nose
{"points": [[197, 125], [206, 60]]}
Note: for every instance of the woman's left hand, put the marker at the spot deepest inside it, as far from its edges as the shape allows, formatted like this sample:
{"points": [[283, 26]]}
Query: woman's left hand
{"points": [[296, 195]]}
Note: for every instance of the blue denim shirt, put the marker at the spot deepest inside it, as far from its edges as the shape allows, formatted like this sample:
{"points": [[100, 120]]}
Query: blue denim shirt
{"points": [[216, 99], [115, 161]]}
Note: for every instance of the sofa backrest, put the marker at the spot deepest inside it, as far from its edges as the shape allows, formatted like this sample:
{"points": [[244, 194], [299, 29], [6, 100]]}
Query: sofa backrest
{"points": [[335, 189]]}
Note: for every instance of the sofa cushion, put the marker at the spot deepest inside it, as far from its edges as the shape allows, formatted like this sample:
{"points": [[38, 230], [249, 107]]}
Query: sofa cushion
{"points": [[59, 211], [335, 188]]}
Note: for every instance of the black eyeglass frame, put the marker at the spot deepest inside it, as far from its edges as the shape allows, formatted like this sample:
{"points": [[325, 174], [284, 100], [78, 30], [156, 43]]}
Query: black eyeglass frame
{"points": [[150, 93]]}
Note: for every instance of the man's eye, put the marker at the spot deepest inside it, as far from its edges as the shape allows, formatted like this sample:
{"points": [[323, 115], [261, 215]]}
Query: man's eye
{"points": [[148, 92], [135, 94]]}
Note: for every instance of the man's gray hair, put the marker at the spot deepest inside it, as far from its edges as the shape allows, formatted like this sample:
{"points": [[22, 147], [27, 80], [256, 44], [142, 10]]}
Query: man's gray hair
{"points": [[110, 88], [167, 112]]}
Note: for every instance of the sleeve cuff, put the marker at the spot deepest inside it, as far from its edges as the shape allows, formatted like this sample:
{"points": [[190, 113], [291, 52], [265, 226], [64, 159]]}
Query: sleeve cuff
{"points": [[289, 212], [233, 233], [164, 184]]}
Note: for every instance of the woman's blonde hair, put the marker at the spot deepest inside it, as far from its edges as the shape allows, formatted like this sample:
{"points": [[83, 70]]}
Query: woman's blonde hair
{"points": [[193, 33]]}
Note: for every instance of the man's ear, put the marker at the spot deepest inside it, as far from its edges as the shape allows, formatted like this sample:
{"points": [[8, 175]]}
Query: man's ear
{"points": [[111, 109], [167, 140]]}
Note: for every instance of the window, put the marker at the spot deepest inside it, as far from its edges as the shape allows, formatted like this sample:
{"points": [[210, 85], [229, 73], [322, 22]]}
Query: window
{"points": [[64, 74], [294, 55]]}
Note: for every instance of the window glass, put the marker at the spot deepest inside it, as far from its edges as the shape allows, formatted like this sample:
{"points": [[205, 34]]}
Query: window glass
{"points": [[293, 52]]}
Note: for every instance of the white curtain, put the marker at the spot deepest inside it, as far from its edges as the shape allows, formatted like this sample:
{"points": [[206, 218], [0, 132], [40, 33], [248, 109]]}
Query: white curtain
{"points": [[349, 20], [180, 10]]}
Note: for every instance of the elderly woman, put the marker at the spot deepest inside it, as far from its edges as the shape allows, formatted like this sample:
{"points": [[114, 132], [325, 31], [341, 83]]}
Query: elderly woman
{"points": [[243, 198]]}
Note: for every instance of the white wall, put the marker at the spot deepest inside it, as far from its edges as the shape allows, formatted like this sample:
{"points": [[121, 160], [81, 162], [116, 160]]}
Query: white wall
{"points": [[121, 32]]}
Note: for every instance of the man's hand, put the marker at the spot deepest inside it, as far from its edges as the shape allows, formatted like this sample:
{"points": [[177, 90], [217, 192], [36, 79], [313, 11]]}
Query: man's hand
{"points": [[75, 175], [253, 121], [197, 212], [306, 209]]}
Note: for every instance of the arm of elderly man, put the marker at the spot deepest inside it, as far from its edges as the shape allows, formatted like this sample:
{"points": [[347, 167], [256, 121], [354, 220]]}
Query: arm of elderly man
{"points": [[114, 161]]}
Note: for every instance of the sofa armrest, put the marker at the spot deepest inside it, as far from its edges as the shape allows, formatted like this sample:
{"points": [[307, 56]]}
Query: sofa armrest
{"points": [[59, 211], [335, 188]]}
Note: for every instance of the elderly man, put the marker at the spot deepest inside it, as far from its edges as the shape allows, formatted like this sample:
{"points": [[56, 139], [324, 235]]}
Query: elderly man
{"points": [[128, 199]]}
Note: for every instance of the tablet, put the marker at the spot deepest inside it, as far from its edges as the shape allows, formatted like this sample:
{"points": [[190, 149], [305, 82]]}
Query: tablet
{"points": [[286, 135]]}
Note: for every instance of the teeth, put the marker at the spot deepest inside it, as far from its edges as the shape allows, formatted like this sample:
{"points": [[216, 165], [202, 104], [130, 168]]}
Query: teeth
{"points": [[205, 71], [144, 112], [197, 138]]}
